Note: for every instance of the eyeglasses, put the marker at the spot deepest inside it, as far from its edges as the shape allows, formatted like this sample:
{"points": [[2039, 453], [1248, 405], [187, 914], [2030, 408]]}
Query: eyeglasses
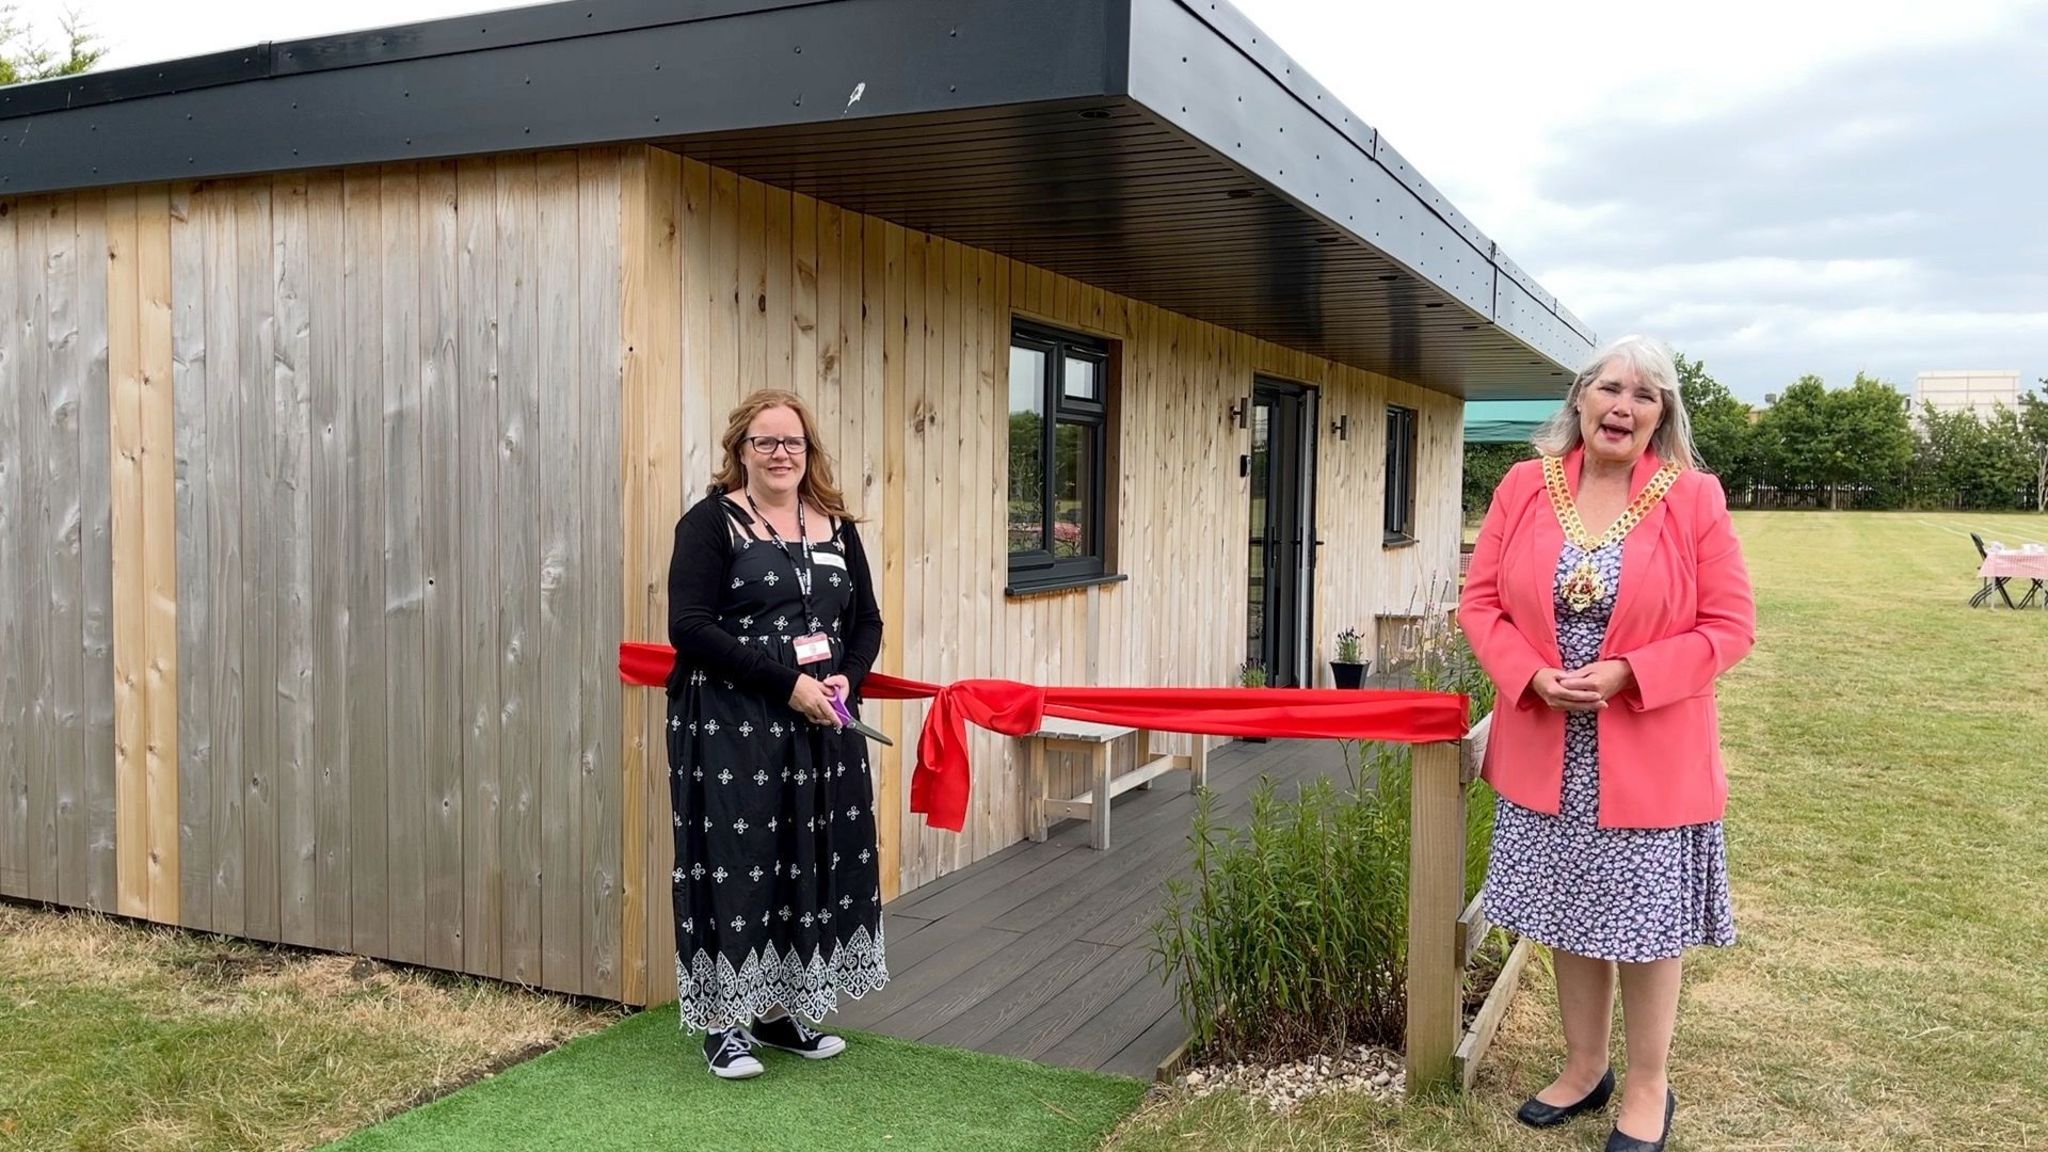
{"points": [[766, 445]]}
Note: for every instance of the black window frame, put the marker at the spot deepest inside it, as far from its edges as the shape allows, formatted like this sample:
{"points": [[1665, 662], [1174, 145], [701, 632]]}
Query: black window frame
{"points": [[1039, 569], [1403, 434]]}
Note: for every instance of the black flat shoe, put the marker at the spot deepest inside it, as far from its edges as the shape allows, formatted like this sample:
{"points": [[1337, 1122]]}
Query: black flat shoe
{"points": [[1619, 1141], [1536, 1114]]}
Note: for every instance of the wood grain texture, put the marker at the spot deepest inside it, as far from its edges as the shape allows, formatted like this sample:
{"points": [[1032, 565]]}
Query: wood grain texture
{"points": [[403, 765], [189, 443], [600, 279], [562, 578], [335, 248], [32, 382], [159, 406], [14, 493], [362, 400], [1436, 878], [634, 335], [660, 400], [62, 544], [441, 529], [477, 370], [100, 770], [519, 565], [120, 265], [222, 658], [298, 785], [260, 525]]}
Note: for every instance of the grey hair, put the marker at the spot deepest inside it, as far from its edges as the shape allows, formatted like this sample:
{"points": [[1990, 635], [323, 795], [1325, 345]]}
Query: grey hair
{"points": [[1652, 360]]}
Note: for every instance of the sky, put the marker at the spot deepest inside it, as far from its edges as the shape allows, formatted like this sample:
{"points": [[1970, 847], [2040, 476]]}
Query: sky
{"points": [[1778, 187]]}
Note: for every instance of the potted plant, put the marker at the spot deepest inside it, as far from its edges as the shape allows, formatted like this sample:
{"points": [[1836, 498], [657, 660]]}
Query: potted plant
{"points": [[1349, 668], [1252, 674]]}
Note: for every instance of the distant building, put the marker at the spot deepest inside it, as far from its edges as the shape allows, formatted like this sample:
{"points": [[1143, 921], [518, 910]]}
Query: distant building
{"points": [[1977, 392]]}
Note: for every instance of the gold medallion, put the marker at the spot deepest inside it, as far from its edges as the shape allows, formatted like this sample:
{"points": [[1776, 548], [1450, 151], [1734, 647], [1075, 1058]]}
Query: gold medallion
{"points": [[1582, 585]]}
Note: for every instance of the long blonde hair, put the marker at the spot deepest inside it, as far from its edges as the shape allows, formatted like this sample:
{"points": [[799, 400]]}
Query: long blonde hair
{"points": [[1672, 441], [817, 487]]}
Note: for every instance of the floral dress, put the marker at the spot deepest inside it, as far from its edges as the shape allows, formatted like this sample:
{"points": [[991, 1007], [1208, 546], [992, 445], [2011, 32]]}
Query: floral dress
{"points": [[1627, 894]]}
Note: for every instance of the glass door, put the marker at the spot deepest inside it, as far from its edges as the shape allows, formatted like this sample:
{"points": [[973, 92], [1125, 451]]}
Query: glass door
{"points": [[1281, 578]]}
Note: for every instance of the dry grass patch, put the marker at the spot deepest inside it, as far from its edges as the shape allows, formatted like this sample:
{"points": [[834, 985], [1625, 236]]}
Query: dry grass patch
{"points": [[122, 1036]]}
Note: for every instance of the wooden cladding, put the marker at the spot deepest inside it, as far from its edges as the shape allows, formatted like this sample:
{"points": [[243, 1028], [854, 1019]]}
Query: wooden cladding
{"points": [[326, 497]]}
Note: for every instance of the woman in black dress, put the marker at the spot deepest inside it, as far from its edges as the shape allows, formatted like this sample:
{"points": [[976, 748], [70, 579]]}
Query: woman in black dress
{"points": [[778, 899]]}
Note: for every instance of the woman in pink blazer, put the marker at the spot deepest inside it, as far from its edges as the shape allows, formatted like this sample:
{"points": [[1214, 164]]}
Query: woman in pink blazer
{"points": [[1606, 744]]}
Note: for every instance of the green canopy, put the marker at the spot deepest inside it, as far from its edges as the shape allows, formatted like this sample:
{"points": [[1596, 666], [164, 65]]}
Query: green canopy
{"points": [[1506, 421]]}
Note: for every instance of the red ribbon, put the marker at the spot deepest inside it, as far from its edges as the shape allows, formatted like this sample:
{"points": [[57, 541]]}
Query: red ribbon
{"points": [[940, 783]]}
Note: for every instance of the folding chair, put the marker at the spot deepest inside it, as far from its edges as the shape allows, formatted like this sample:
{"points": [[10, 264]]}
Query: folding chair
{"points": [[1994, 583]]}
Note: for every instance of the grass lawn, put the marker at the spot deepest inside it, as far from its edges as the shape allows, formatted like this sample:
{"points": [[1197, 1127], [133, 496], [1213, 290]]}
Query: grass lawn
{"points": [[642, 1085], [1888, 835], [114, 1036]]}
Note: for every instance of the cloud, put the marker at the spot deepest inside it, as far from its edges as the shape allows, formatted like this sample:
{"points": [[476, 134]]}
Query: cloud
{"points": [[1881, 215]]}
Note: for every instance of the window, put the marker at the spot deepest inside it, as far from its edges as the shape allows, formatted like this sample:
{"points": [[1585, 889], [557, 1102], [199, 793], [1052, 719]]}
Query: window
{"points": [[1059, 433], [1400, 486]]}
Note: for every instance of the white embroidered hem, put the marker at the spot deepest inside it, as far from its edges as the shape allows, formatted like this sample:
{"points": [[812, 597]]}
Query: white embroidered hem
{"points": [[711, 992]]}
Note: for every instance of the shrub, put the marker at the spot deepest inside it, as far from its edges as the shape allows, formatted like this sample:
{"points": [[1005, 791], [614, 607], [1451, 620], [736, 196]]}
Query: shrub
{"points": [[1291, 934]]}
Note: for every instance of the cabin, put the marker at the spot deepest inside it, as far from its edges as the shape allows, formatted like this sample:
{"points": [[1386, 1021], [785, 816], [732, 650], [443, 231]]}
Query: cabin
{"points": [[350, 389]]}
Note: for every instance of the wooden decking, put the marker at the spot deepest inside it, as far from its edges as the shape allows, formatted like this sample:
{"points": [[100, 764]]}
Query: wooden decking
{"points": [[1044, 950]]}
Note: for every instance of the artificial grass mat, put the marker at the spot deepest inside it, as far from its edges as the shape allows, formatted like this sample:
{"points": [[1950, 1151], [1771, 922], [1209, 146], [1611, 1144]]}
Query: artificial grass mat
{"points": [[642, 1084]]}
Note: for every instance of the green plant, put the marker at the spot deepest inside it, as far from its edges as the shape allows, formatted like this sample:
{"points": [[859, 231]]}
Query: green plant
{"points": [[1291, 934], [1252, 674], [1348, 647]]}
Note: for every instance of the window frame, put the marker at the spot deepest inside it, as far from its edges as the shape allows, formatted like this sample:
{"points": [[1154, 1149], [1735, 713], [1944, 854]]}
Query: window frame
{"points": [[1403, 437], [1041, 569]]}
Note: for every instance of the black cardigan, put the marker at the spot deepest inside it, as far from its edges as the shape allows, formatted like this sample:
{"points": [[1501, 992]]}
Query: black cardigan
{"points": [[699, 575]]}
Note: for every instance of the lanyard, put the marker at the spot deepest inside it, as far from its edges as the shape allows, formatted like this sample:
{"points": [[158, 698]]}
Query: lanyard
{"points": [[803, 571]]}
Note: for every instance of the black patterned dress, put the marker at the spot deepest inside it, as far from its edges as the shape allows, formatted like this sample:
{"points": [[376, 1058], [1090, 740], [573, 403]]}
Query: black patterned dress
{"points": [[777, 881], [1627, 894]]}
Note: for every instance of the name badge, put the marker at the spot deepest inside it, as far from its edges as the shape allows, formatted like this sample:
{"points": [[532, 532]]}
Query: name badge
{"points": [[829, 560], [813, 648]]}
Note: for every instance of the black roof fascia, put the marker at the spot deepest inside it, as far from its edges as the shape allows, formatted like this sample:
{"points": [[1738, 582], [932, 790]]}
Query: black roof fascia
{"points": [[548, 78], [1253, 104]]}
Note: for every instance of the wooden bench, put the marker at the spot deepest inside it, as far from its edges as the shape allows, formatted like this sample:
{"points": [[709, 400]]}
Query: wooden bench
{"points": [[1094, 741]]}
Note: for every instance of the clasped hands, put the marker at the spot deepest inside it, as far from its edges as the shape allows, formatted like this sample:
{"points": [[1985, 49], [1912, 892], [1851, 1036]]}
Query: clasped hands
{"points": [[1585, 690], [812, 698]]}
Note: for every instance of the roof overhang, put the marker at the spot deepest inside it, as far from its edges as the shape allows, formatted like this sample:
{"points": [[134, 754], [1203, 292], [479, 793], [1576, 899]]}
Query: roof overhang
{"points": [[1161, 149]]}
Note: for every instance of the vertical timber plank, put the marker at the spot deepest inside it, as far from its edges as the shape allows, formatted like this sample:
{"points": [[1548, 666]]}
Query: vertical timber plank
{"points": [[1436, 886], [441, 530], [14, 822], [225, 582], [120, 265], [559, 642], [62, 547], [661, 415], [518, 565], [477, 369], [96, 562], [298, 789], [632, 242], [160, 552], [255, 276], [403, 767], [125, 497], [363, 401], [335, 255], [195, 742], [602, 697]]}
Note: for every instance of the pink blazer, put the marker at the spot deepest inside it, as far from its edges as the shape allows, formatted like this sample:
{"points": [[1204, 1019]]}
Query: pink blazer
{"points": [[1685, 614]]}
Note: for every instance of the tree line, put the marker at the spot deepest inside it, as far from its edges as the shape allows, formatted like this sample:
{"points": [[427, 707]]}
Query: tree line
{"points": [[1856, 447], [24, 57]]}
